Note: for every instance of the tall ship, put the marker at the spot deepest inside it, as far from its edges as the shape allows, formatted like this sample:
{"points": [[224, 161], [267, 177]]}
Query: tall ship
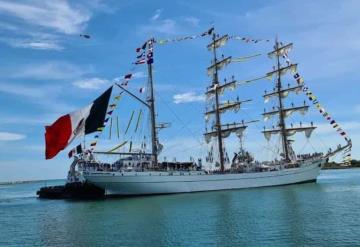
{"points": [[140, 171]]}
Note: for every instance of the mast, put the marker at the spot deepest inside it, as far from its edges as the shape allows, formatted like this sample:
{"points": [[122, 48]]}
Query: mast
{"points": [[217, 113], [219, 130], [282, 123], [151, 102], [283, 112]]}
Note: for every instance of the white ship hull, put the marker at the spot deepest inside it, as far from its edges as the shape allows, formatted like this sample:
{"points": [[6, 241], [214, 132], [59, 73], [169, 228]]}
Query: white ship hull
{"points": [[145, 183]]}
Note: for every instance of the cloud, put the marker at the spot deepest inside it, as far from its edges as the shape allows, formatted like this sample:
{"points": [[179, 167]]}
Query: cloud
{"points": [[156, 15], [166, 26], [324, 35], [22, 90], [90, 83], [29, 24], [56, 15], [188, 97], [28, 37], [52, 70], [32, 120], [39, 95], [7, 136], [350, 126], [38, 45], [192, 21]]}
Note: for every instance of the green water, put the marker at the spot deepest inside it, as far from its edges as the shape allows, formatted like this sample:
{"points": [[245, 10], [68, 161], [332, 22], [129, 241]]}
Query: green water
{"points": [[323, 214]]}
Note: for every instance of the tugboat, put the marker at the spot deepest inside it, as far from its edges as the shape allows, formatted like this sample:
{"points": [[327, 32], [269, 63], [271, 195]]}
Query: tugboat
{"points": [[75, 188]]}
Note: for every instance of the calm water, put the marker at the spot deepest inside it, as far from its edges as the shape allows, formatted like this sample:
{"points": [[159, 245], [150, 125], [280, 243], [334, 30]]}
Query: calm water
{"points": [[322, 214]]}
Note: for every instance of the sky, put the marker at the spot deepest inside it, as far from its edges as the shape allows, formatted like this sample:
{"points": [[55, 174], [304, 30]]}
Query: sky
{"points": [[48, 70]]}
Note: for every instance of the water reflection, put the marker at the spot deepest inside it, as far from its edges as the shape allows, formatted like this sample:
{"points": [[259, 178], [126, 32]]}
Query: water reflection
{"points": [[298, 215]]}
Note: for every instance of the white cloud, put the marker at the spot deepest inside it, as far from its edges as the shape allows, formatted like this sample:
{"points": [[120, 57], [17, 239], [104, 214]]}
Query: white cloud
{"points": [[52, 70], [193, 21], [350, 126], [35, 120], [28, 37], [56, 15], [166, 26], [42, 25], [188, 97], [23, 90], [7, 136], [39, 95], [323, 36], [158, 25], [90, 83], [38, 45], [156, 15]]}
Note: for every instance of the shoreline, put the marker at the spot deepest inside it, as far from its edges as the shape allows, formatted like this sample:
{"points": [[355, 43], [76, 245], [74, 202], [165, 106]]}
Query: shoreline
{"points": [[338, 167], [29, 181]]}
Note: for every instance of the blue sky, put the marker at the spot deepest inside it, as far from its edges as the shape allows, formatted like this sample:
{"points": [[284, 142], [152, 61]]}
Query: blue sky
{"points": [[47, 70]]}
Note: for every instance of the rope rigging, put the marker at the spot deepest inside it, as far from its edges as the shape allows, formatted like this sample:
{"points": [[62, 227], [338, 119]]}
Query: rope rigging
{"points": [[146, 56]]}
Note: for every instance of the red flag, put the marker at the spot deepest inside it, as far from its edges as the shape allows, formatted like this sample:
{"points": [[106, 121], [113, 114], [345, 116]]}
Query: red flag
{"points": [[57, 136], [84, 121]]}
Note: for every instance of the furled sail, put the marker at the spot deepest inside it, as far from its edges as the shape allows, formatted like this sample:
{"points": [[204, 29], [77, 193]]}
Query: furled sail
{"points": [[287, 112], [289, 131], [233, 128], [219, 42], [283, 93], [232, 85], [221, 88], [228, 106], [282, 71], [281, 51], [218, 65]]}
